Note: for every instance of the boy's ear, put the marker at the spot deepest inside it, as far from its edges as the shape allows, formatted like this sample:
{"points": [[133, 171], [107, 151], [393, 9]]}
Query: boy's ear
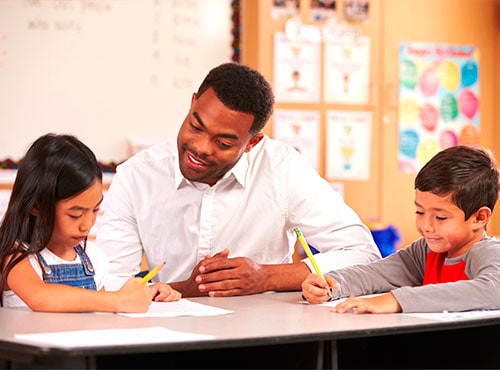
{"points": [[483, 215]]}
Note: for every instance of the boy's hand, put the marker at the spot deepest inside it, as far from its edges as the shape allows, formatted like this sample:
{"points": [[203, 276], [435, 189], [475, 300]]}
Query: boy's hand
{"points": [[385, 303], [316, 290]]}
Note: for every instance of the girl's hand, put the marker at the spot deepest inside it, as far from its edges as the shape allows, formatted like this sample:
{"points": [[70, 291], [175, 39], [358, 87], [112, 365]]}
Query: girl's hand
{"points": [[162, 292], [134, 296]]}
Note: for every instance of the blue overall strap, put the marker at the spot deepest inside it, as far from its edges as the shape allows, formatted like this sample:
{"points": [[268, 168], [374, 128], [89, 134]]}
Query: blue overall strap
{"points": [[78, 275]]}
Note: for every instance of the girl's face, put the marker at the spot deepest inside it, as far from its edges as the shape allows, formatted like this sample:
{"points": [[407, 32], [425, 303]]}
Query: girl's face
{"points": [[443, 224], [74, 218]]}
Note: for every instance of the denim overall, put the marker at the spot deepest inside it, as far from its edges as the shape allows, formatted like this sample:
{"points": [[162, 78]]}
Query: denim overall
{"points": [[77, 275]]}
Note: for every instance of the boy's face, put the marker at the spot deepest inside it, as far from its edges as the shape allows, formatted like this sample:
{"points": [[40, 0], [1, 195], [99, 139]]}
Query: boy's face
{"points": [[74, 218], [443, 224]]}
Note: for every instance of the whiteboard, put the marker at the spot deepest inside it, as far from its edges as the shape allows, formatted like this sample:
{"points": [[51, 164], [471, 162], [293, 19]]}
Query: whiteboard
{"points": [[104, 70]]}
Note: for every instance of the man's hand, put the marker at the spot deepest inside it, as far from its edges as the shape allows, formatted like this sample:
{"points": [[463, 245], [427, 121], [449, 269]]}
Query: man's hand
{"points": [[221, 276]]}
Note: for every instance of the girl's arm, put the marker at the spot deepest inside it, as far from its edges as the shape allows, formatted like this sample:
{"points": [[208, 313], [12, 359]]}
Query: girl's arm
{"points": [[39, 296]]}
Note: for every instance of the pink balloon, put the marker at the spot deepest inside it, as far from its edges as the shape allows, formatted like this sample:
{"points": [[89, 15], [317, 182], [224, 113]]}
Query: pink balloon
{"points": [[429, 81], [468, 103], [448, 138], [429, 116]]}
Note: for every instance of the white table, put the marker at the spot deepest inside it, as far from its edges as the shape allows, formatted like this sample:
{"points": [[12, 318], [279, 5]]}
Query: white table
{"points": [[271, 320]]}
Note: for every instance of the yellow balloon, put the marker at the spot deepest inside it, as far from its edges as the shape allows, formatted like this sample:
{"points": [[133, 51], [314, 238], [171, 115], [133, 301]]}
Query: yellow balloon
{"points": [[408, 112], [426, 150], [449, 74]]}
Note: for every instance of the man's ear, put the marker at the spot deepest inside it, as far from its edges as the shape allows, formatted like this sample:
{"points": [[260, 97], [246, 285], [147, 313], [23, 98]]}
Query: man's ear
{"points": [[254, 141]]}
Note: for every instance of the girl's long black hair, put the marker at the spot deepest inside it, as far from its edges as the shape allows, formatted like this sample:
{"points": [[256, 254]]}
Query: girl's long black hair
{"points": [[55, 167]]}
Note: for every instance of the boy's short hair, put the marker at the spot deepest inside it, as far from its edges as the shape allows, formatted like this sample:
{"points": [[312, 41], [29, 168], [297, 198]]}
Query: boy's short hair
{"points": [[469, 174]]}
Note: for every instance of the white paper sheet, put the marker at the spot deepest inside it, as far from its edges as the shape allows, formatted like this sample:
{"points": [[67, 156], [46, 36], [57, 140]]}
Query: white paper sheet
{"points": [[111, 337], [182, 307], [442, 316]]}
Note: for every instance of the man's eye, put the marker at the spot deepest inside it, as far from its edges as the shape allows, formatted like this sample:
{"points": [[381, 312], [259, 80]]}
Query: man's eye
{"points": [[195, 128], [224, 145]]}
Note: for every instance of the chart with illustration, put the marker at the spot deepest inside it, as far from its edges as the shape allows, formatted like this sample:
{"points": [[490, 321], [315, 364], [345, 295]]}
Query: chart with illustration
{"points": [[438, 101]]}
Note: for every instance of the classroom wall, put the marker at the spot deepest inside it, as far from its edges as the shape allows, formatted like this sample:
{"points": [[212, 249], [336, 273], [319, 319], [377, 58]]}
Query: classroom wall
{"points": [[387, 196], [116, 73], [468, 22]]}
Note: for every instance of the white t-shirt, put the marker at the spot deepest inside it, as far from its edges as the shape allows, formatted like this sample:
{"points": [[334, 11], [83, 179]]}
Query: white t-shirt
{"points": [[97, 257]]}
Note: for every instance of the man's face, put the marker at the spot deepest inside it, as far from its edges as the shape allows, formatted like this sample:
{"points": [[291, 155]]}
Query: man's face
{"points": [[212, 139]]}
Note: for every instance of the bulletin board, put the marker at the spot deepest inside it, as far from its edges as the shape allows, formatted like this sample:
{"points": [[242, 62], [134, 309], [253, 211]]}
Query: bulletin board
{"points": [[106, 70]]}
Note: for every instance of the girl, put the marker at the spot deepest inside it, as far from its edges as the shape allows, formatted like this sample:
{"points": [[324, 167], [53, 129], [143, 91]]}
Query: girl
{"points": [[44, 257]]}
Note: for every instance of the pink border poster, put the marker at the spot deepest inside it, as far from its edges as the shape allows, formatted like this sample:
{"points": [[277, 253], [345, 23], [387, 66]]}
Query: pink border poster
{"points": [[438, 101]]}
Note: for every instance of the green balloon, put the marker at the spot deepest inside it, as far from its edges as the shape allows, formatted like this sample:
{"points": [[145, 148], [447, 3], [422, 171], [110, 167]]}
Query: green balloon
{"points": [[408, 74], [449, 107]]}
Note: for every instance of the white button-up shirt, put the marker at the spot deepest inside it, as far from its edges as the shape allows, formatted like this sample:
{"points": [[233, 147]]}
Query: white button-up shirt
{"points": [[253, 210]]}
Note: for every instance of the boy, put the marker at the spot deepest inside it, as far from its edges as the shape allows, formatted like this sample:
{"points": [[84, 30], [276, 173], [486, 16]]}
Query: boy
{"points": [[455, 266]]}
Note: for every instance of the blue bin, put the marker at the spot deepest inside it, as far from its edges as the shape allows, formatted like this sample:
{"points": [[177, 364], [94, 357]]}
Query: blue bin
{"points": [[386, 239]]}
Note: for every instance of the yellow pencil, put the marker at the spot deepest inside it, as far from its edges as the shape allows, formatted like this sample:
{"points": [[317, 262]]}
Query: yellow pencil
{"points": [[152, 273], [306, 248]]}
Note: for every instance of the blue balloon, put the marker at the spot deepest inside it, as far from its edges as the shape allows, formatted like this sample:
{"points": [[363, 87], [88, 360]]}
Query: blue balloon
{"points": [[469, 73], [408, 142]]}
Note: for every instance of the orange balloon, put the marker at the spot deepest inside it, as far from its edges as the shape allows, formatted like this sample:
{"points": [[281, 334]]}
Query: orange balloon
{"points": [[469, 135]]}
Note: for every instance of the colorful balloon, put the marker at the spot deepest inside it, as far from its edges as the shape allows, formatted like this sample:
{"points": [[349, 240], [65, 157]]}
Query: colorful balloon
{"points": [[406, 165], [429, 81], [469, 73], [447, 138], [408, 141], [426, 150], [449, 75], [468, 103], [469, 135], [449, 107], [429, 116], [408, 112], [408, 74]]}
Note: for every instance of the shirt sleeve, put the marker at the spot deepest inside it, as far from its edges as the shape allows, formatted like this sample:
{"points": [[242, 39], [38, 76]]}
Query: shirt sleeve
{"points": [[481, 291], [403, 268], [117, 234], [326, 221]]}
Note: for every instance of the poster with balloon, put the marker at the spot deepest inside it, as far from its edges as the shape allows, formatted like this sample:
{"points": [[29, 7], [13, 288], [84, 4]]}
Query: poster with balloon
{"points": [[438, 101]]}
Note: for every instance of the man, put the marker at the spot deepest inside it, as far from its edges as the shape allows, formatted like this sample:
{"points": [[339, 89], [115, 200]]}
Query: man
{"points": [[220, 205]]}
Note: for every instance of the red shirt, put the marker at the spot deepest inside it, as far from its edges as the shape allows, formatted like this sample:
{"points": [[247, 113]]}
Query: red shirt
{"points": [[437, 272]]}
